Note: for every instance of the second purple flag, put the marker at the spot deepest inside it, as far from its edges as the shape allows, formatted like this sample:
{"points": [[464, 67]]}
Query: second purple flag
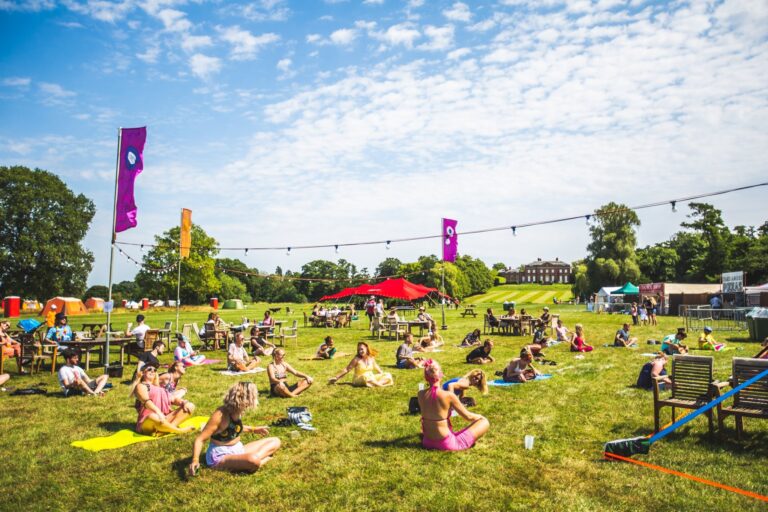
{"points": [[131, 163], [450, 240]]}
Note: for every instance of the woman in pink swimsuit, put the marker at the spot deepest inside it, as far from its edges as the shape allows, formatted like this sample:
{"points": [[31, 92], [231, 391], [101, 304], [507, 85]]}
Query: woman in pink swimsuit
{"points": [[436, 405]]}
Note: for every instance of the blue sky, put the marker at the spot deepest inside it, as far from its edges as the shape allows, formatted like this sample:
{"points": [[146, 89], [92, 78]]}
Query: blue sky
{"points": [[282, 123]]}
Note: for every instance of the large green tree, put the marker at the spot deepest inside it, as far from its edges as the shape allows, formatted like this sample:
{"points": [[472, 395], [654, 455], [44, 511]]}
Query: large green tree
{"points": [[479, 276], [42, 225], [658, 263], [198, 278], [388, 267], [707, 223], [611, 253]]}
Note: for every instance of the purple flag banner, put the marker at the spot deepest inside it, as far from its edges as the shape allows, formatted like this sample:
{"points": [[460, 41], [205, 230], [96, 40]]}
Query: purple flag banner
{"points": [[131, 163], [450, 240]]}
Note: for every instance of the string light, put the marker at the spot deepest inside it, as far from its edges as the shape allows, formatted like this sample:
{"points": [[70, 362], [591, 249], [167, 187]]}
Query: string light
{"points": [[288, 252], [514, 230], [388, 242], [674, 206], [587, 217], [336, 249]]}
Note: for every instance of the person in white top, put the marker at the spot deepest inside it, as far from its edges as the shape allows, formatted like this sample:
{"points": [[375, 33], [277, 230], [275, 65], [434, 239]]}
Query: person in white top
{"points": [[74, 380], [139, 331], [380, 308], [237, 358]]}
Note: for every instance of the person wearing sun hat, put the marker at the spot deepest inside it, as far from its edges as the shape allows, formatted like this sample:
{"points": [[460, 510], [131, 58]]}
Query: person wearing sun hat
{"points": [[50, 316], [707, 341], [671, 344]]}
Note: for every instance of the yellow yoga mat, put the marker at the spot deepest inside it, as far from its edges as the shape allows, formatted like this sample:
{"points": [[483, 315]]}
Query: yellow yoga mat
{"points": [[128, 437]]}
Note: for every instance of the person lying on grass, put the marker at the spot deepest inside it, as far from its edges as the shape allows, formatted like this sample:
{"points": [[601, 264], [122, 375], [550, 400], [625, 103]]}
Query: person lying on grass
{"points": [[405, 359], [153, 404], [672, 343], [225, 450], [474, 379], [185, 353], [578, 342], [651, 370], [707, 341], [623, 339], [520, 368], [429, 343], [259, 344], [170, 380], [436, 405], [74, 380], [278, 371], [367, 371], [471, 339], [237, 357], [481, 355]]}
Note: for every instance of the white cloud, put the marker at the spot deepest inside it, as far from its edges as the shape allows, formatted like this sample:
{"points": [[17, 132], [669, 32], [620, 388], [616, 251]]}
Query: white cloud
{"points": [[191, 43], [109, 12], [458, 12], [401, 34], [266, 10], [174, 20], [55, 90], [343, 36], [17, 81], [459, 53], [284, 65], [204, 66], [245, 45], [440, 38], [150, 56], [69, 24], [373, 2], [27, 5], [314, 38]]}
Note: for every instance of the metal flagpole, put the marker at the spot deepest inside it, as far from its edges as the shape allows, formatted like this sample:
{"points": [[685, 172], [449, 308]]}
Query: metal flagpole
{"points": [[112, 247], [442, 299], [178, 280]]}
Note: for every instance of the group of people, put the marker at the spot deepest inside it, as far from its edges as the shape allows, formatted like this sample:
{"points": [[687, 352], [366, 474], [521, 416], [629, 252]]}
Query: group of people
{"points": [[645, 312]]}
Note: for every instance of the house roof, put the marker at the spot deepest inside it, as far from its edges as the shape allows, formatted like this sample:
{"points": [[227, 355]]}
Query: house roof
{"points": [[555, 263]]}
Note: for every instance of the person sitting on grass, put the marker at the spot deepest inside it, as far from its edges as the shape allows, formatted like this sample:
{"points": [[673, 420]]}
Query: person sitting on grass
{"points": [[326, 350], [237, 357], [259, 344], [170, 380], [578, 343], [153, 404], [151, 357], [184, 352], [429, 343], [278, 371], [471, 339], [60, 332], [436, 405], [404, 355], [225, 450], [74, 380], [763, 354], [562, 332], [8, 345], [481, 355], [520, 369], [474, 379], [707, 341], [367, 371], [651, 370], [622, 338], [672, 343]]}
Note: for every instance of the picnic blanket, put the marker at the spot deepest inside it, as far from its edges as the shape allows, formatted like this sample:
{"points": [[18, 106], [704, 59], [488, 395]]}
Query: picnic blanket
{"points": [[234, 374], [127, 437], [501, 383], [210, 361]]}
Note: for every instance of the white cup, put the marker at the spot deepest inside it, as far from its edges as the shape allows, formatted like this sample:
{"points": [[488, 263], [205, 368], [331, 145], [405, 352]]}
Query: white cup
{"points": [[528, 441], [421, 386]]}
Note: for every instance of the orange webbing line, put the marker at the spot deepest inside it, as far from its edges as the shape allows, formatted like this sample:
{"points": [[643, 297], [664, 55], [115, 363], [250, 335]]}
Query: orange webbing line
{"points": [[689, 477]]}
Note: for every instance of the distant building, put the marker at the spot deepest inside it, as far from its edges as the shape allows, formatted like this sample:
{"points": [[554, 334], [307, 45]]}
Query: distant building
{"points": [[545, 272]]}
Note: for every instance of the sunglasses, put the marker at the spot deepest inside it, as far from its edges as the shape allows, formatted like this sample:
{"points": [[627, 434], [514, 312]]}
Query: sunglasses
{"points": [[150, 369]]}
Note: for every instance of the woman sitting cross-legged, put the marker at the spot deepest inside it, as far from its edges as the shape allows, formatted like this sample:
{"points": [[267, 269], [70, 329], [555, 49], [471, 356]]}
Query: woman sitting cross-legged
{"points": [[226, 451], [259, 344], [153, 403], [520, 369], [237, 357], [436, 405], [578, 343], [170, 380], [474, 379], [278, 371], [185, 353], [367, 372]]}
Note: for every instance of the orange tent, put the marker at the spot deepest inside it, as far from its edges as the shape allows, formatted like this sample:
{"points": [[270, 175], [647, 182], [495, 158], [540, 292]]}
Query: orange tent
{"points": [[68, 305], [95, 304]]}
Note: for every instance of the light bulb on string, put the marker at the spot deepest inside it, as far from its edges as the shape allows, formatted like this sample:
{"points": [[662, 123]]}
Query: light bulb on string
{"points": [[674, 206], [514, 230], [246, 251], [388, 244], [288, 252], [142, 248], [336, 249], [586, 218]]}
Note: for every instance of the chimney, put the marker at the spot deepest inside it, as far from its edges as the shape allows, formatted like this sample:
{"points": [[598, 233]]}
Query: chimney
{"points": [[557, 259], [538, 259]]}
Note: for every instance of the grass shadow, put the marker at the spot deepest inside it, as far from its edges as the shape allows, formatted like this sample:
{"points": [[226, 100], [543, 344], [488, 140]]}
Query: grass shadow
{"points": [[409, 441], [116, 426]]}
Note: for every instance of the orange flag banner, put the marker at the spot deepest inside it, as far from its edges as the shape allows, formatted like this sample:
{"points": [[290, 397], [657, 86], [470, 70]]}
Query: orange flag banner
{"points": [[185, 241]]}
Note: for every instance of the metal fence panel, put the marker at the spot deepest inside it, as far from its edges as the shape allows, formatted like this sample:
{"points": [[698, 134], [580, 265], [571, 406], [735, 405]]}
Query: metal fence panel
{"points": [[697, 317]]}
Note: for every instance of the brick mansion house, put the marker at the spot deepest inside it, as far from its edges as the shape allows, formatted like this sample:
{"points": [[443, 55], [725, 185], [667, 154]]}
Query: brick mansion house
{"points": [[545, 272]]}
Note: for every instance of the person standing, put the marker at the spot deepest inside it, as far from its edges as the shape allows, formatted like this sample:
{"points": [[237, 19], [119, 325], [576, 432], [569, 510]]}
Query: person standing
{"points": [[50, 316], [634, 313], [139, 331], [370, 310]]}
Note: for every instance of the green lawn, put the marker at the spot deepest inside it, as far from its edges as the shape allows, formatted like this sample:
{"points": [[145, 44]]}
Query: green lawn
{"points": [[366, 455], [522, 294]]}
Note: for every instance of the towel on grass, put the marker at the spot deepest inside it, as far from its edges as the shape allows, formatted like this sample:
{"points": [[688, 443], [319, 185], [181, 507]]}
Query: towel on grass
{"points": [[234, 374], [500, 382], [210, 361], [128, 437]]}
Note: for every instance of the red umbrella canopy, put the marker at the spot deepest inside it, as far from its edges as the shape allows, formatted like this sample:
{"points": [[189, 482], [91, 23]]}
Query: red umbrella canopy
{"points": [[400, 289], [346, 292]]}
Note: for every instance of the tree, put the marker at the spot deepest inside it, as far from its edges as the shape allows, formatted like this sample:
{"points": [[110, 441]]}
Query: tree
{"points": [[749, 252], [388, 267], [499, 266], [456, 283], [479, 276], [98, 290], [690, 249], [707, 222], [42, 224], [611, 254], [127, 290], [233, 288], [198, 280], [580, 287], [658, 263]]}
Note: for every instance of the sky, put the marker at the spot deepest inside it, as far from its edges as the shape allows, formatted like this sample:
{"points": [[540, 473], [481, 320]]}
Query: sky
{"points": [[284, 123]]}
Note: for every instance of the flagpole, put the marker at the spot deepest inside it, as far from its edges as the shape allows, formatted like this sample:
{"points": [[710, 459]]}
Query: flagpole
{"points": [[178, 280], [442, 299], [112, 248]]}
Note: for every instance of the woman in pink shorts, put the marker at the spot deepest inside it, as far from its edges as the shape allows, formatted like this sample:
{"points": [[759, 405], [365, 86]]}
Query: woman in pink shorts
{"points": [[436, 405]]}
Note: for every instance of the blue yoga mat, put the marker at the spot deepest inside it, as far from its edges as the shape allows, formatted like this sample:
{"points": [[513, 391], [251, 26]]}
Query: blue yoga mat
{"points": [[500, 382]]}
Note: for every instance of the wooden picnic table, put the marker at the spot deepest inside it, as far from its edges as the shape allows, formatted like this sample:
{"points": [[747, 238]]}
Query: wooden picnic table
{"points": [[469, 311], [99, 344], [90, 327], [417, 323]]}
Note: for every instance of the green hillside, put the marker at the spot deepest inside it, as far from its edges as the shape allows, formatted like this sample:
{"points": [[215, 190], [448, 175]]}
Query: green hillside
{"points": [[523, 294]]}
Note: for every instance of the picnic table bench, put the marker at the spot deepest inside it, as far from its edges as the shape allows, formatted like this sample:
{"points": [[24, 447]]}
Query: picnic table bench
{"points": [[469, 310]]}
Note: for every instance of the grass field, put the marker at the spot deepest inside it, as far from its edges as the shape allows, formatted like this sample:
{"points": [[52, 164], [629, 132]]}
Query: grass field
{"points": [[366, 452], [522, 294]]}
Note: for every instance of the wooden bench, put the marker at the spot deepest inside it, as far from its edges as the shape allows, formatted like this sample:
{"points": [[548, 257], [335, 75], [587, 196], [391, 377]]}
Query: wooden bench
{"points": [[692, 388], [468, 311], [750, 402]]}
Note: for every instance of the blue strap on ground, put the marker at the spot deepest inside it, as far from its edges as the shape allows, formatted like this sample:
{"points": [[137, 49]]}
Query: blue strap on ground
{"points": [[682, 421]]}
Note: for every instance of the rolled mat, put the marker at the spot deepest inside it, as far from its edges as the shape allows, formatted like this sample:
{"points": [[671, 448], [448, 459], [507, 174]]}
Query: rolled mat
{"points": [[127, 437], [502, 383]]}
